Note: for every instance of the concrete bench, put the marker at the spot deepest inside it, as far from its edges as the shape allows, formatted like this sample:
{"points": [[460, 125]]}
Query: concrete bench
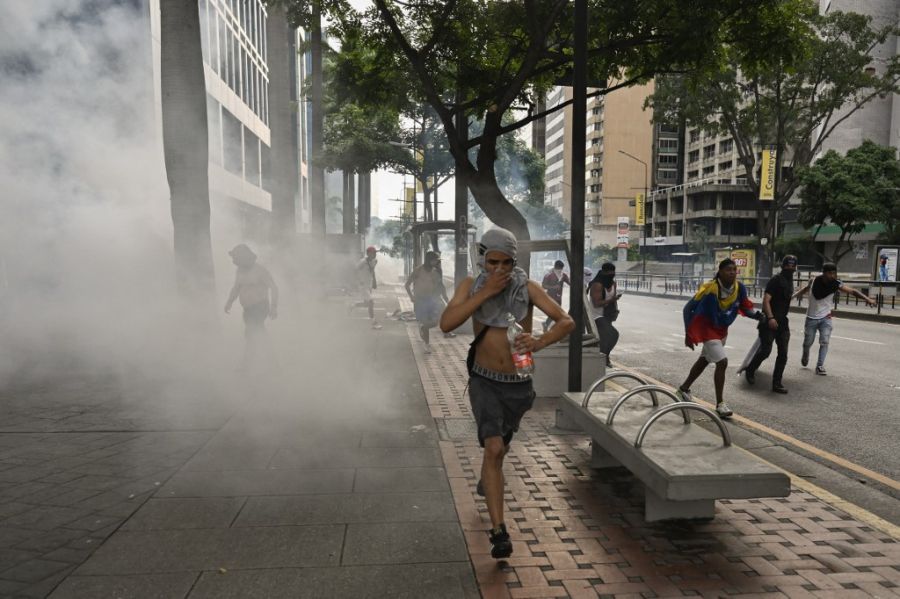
{"points": [[684, 467]]}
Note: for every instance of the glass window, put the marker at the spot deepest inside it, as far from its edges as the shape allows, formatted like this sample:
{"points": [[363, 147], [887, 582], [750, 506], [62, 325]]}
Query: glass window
{"points": [[668, 146], [214, 56], [214, 121], [251, 157], [695, 136], [232, 143]]}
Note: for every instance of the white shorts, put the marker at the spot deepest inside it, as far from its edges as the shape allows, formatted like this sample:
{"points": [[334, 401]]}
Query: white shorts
{"points": [[714, 351]]}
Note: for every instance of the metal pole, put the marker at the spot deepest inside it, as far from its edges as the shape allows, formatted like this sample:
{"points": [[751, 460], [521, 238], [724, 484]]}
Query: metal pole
{"points": [[461, 205], [579, 125]]}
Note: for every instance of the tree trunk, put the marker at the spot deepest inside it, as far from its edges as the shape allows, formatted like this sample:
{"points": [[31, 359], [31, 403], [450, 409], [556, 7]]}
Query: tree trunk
{"points": [[365, 199], [186, 144], [285, 183], [316, 171], [436, 217], [349, 203], [426, 194]]}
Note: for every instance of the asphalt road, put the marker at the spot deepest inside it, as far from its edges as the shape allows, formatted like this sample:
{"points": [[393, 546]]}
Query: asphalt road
{"points": [[854, 412]]}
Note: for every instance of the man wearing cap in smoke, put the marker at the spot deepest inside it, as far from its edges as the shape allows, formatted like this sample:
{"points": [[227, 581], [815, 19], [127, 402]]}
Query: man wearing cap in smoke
{"points": [[253, 284], [499, 396], [365, 275], [774, 327]]}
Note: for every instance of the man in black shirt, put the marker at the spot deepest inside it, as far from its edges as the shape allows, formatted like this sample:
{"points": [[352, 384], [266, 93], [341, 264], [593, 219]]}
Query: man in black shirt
{"points": [[774, 327]]}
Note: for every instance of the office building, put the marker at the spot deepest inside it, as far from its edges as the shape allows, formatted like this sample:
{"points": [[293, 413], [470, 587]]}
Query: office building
{"points": [[237, 78]]}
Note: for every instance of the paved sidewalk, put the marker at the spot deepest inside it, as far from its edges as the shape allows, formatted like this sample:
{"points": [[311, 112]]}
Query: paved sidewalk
{"points": [[325, 481], [578, 533]]}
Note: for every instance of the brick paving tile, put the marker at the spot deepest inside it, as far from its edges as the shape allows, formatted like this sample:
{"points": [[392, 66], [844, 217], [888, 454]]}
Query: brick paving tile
{"points": [[581, 533]]}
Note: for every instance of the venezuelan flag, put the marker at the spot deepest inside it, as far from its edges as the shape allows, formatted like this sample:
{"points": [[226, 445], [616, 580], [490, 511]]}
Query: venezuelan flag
{"points": [[707, 315]]}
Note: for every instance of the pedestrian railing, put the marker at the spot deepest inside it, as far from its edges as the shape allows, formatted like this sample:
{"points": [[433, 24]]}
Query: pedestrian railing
{"points": [[885, 293]]}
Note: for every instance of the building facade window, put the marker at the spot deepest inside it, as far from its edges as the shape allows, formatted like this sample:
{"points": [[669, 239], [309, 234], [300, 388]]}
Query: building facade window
{"points": [[726, 146], [709, 151], [695, 136], [668, 146]]}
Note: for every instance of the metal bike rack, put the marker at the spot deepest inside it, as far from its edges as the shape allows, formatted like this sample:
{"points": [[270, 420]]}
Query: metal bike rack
{"points": [[652, 388], [618, 374], [639, 440]]}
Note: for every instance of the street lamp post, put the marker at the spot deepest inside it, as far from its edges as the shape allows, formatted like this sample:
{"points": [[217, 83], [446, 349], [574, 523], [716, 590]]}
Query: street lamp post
{"points": [[644, 224]]}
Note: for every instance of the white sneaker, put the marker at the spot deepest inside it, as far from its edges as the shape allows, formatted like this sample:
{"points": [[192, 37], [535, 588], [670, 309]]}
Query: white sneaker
{"points": [[684, 395], [723, 410], [376, 325], [427, 349]]}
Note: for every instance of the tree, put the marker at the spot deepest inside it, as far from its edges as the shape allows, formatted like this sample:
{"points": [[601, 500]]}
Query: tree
{"points": [[484, 60], [848, 192], [186, 144], [282, 125], [699, 241], [791, 100]]}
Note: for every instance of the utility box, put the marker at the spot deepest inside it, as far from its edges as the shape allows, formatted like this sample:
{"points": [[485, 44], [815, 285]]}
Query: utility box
{"points": [[551, 369]]}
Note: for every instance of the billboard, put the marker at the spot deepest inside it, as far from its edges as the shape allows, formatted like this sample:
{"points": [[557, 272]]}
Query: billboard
{"points": [[639, 218], [886, 263], [767, 175], [622, 232], [744, 259]]}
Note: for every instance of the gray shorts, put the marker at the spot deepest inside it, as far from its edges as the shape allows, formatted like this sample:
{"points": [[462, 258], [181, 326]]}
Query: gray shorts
{"points": [[498, 407]]}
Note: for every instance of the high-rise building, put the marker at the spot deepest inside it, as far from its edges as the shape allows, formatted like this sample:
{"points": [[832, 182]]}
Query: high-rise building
{"points": [[619, 155], [712, 203], [558, 153], [879, 119], [237, 78]]}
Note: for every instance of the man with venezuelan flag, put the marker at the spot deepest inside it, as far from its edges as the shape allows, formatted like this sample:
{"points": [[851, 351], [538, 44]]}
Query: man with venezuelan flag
{"points": [[707, 317]]}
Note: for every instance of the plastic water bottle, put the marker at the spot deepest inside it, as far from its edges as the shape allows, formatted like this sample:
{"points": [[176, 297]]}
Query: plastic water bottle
{"points": [[524, 362]]}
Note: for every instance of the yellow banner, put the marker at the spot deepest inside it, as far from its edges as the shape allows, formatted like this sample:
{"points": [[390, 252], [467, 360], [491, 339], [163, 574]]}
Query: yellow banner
{"points": [[767, 175], [409, 199], [639, 209]]}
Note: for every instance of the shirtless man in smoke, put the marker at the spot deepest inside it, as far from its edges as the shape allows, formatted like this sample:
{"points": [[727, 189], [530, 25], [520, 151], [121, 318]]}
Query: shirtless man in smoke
{"points": [[253, 284], [498, 395]]}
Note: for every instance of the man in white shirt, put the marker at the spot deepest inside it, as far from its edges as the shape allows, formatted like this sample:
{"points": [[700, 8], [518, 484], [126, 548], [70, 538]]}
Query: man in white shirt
{"points": [[818, 313]]}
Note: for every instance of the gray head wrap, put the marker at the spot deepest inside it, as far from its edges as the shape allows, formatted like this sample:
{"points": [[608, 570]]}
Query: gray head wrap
{"points": [[512, 300]]}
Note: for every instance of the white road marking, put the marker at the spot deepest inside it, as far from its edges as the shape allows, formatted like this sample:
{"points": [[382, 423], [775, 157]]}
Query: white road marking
{"points": [[858, 340]]}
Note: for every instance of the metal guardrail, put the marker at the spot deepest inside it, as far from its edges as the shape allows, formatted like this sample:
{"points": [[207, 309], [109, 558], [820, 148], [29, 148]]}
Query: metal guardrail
{"points": [[637, 390], [616, 374], [726, 436], [687, 286]]}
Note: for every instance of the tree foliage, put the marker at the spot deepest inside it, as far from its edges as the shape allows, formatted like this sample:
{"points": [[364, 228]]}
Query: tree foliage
{"points": [[815, 78], [849, 192], [484, 60]]}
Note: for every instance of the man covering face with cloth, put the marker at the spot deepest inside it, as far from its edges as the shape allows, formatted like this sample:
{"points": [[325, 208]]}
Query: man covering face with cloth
{"points": [[499, 396]]}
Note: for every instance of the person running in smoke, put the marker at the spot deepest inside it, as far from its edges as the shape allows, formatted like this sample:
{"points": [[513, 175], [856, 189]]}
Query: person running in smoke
{"points": [[440, 271], [365, 278], [775, 328], [553, 282], [707, 317], [258, 293], [818, 312], [426, 294], [498, 395], [603, 305]]}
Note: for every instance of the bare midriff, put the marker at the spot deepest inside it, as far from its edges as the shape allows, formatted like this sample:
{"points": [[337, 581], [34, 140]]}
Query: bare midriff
{"points": [[493, 352]]}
